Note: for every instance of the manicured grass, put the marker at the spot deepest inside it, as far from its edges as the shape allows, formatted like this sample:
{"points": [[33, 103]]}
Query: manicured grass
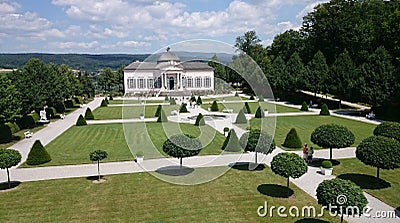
{"points": [[140, 197], [220, 99], [305, 125], [18, 136], [129, 112], [74, 145], [365, 176], [272, 108], [134, 101]]}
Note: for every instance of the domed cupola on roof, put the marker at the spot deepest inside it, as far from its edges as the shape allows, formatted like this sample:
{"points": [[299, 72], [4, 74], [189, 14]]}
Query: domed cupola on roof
{"points": [[168, 57]]}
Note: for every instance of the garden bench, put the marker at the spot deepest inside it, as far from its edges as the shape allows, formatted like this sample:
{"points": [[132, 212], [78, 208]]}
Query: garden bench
{"points": [[28, 134], [227, 110]]}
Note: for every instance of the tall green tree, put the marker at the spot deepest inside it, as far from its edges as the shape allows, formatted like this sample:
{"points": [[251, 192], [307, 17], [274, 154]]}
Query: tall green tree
{"points": [[219, 69], [278, 73], [286, 44], [10, 99], [296, 73], [376, 78], [342, 75], [248, 42], [317, 73]]}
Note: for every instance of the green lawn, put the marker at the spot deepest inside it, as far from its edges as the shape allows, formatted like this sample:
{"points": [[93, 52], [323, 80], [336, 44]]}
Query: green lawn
{"points": [[128, 112], [305, 125], [253, 107], [365, 176], [74, 145], [134, 101], [20, 136], [220, 99], [140, 197]]}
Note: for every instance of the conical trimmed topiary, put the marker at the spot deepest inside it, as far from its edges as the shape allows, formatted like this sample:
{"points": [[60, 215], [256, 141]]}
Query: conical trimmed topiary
{"points": [[241, 118], [193, 98], [88, 114], [292, 139], [236, 94], [106, 100], [231, 143], [214, 106], [324, 110], [246, 108], [38, 154], [166, 98], [159, 107], [81, 121], [183, 108], [200, 120], [304, 106], [172, 101], [103, 103], [259, 113], [162, 117], [199, 101], [251, 97]]}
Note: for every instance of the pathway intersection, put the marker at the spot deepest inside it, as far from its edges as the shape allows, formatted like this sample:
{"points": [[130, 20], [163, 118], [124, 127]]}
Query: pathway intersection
{"points": [[308, 182]]}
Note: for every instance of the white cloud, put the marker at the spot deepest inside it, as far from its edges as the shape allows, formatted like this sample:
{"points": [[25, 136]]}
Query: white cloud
{"points": [[6, 7]]}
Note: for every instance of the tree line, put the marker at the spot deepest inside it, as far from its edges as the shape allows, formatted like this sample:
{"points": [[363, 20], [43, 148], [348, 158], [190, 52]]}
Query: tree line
{"points": [[347, 48]]}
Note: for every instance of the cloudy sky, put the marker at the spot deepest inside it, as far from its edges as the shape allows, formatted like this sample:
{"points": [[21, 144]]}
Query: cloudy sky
{"points": [[138, 26]]}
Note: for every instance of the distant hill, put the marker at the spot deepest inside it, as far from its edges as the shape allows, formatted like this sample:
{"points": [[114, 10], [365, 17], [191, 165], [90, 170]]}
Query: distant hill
{"points": [[96, 62]]}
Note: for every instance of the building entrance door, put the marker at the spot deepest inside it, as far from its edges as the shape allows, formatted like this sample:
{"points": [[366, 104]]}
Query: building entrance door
{"points": [[171, 83]]}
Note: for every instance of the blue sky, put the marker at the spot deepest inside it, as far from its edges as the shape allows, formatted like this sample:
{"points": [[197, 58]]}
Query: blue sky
{"points": [[139, 26]]}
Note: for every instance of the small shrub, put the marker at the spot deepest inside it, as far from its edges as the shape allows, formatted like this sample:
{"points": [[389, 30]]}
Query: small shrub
{"points": [[162, 117], [324, 110], [261, 98], [247, 109], [29, 121], [78, 100], [172, 101], [13, 126], [183, 108], [193, 98], [5, 133], [200, 120], [103, 103], [38, 154], [292, 139], [226, 129], [236, 94], [159, 107], [106, 100], [88, 114], [304, 106], [214, 106], [231, 143], [60, 107], [199, 101], [50, 112], [241, 118], [81, 121], [111, 98], [251, 97], [259, 113], [326, 164], [166, 98], [69, 103], [140, 153]]}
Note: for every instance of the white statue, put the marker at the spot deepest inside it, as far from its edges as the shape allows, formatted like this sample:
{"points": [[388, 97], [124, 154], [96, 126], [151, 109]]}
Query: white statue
{"points": [[43, 117]]}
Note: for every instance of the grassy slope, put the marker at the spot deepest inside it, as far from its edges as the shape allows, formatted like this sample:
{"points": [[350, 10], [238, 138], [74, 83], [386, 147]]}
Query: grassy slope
{"points": [[367, 180], [139, 197]]}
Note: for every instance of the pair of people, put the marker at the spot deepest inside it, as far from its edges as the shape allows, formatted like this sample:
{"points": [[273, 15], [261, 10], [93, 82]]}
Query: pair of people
{"points": [[308, 153]]}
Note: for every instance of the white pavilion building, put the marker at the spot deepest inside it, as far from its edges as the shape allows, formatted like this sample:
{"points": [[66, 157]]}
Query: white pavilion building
{"points": [[168, 76]]}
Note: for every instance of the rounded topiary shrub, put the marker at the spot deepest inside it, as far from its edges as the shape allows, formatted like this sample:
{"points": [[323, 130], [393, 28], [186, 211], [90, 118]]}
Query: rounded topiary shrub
{"points": [[50, 112], [246, 108], [69, 103], [38, 154], [231, 143], [388, 129], [259, 113], [326, 164], [214, 106], [88, 114], [241, 118], [199, 101], [29, 121], [226, 129], [104, 103], [200, 120], [183, 108], [257, 141], [81, 121], [288, 165], [304, 106], [60, 107], [292, 139], [13, 127], [324, 110], [5, 133]]}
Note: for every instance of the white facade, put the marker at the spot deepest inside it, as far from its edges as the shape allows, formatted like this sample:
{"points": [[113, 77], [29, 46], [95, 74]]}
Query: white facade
{"points": [[168, 75]]}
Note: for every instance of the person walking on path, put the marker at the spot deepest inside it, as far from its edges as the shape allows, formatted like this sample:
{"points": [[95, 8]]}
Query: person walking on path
{"points": [[310, 153], [305, 152]]}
